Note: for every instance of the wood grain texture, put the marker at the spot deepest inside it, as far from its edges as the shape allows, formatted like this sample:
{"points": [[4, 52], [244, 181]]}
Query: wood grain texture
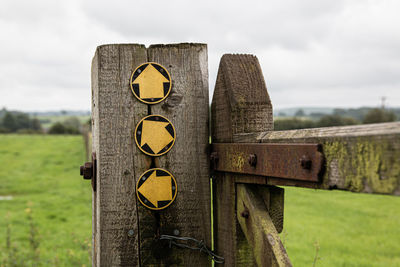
{"points": [[259, 228], [115, 114], [187, 108], [240, 104], [363, 158], [274, 199]]}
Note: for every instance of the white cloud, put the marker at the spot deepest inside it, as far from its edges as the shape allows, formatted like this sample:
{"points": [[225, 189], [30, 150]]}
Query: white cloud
{"points": [[320, 53]]}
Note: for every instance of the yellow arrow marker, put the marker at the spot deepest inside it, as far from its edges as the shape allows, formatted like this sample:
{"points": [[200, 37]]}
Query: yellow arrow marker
{"points": [[157, 188], [155, 135], [151, 83]]}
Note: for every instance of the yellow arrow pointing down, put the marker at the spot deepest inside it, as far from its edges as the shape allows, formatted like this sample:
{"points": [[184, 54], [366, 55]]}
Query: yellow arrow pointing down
{"points": [[157, 188]]}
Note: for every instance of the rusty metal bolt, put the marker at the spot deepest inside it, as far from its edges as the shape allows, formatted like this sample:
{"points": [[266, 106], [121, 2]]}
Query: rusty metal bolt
{"points": [[87, 170], [253, 160], [214, 159], [305, 162], [245, 214]]}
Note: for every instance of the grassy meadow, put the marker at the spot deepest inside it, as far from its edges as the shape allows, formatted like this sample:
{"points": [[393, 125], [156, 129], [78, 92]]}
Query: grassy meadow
{"points": [[337, 228], [47, 221]]}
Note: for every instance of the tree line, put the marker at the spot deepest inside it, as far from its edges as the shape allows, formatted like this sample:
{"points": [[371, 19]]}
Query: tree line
{"points": [[19, 122], [338, 118], [12, 122]]}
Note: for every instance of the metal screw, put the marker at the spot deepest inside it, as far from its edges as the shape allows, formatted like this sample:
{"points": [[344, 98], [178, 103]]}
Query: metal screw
{"points": [[245, 214], [87, 170], [253, 160], [176, 232], [214, 159], [305, 162], [130, 232]]}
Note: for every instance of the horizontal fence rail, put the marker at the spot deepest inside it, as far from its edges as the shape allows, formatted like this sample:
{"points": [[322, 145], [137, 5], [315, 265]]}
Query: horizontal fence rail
{"points": [[362, 158]]}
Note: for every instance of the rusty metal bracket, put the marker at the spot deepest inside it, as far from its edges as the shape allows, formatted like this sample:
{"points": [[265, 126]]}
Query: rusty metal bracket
{"points": [[304, 162], [89, 171]]}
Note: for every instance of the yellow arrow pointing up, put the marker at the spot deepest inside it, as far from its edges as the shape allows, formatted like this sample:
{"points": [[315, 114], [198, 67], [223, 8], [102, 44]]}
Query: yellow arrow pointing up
{"points": [[157, 188], [151, 83], [155, 135]]}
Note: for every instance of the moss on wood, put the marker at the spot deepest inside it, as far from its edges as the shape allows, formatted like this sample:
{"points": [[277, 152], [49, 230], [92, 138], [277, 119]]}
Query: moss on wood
{"points": [[363, 165]]}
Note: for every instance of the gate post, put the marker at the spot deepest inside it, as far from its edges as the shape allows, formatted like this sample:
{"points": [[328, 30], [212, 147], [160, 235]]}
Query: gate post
{"points": [[125, 233], [241, 104]]}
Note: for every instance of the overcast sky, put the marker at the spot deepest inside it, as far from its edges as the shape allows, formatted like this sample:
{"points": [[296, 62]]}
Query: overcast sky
{"points": [[312, 52]]}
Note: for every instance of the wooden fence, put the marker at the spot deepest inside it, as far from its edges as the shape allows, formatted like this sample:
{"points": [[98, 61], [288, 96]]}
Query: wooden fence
{"points": [[248, 204]]}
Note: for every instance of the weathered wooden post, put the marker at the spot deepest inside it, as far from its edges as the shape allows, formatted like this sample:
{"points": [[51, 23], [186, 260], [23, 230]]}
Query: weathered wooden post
{"points": [[241, 104], [125, 233]]}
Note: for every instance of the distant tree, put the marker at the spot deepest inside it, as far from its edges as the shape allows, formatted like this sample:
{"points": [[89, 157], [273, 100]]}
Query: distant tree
{"points": [[23, 121], [3, 111], [339, 111], [57, 128], [282, 114], [378, 115], [9, 122], [299, 113], [60, 128], [335, 120], [36, 125], [291, 124], [317, 115], [73, 123], [3, 130]]}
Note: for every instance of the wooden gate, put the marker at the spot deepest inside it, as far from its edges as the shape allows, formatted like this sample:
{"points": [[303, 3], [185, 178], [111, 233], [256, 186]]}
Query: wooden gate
{"points": [[248, 162]]}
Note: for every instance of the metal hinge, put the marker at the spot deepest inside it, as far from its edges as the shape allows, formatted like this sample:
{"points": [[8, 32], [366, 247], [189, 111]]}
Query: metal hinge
{"points": [[304, 162]]}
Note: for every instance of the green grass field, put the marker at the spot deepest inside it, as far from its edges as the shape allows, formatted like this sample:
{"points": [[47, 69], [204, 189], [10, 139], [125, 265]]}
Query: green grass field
{"points": [[350, 229], [48, 219]]}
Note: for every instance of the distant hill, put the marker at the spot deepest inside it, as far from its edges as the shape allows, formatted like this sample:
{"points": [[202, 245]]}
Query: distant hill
{"points": [[317, 112], [290, 112], [60, 113]]}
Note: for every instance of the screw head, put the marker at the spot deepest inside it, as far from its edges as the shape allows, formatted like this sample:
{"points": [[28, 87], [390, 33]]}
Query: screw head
{"points": [[176, 232], [131, 232], [214, 159], [252, 160], [305, 162], [245, 214]]}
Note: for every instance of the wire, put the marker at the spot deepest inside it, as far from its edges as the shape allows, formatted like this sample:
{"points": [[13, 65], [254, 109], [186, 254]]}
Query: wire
{"points": [[193, 244]]}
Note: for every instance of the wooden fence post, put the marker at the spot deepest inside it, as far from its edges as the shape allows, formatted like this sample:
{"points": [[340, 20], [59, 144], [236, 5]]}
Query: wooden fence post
{"points": [[241, 104], [124, 232]]}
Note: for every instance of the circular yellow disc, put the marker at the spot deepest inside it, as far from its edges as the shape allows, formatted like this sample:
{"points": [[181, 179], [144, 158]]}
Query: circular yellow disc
{"points": [[156, 189], [151, 83], [155, 135]]}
